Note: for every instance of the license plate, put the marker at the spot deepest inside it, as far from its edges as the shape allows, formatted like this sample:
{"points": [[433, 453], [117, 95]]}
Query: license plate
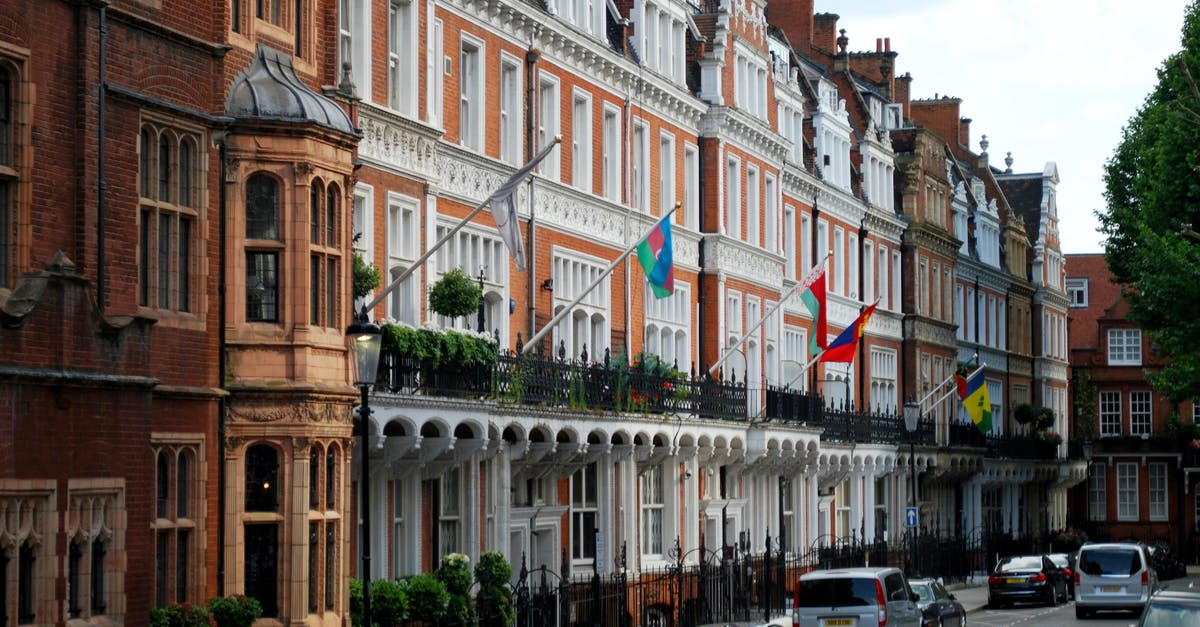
{"points": [[1014, 580], [1110, 588], [838, 622]]}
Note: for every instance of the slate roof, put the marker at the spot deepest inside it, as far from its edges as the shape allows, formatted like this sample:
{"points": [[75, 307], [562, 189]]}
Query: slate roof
{"points": [[268, 89]]}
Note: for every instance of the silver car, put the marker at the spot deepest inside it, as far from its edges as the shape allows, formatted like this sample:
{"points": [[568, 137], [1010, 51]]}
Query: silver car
{"points": [[851, 597], [1113, 576]]}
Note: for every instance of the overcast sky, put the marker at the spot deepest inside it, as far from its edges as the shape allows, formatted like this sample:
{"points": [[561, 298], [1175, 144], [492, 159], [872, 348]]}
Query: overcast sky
{"points": [[1044, 80]]}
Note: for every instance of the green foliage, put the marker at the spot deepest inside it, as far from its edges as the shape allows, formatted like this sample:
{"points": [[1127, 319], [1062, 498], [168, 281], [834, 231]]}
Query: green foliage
{"points": [[1045, 419], [366, 276], [493, 602], [1182, 432], [356, 603], [1151, 190], [1086, 405], [389, 603], [235, 610], [439, 348], [175, 615], [1023, 413], [455, 572], [427, 597], [455, 295]]}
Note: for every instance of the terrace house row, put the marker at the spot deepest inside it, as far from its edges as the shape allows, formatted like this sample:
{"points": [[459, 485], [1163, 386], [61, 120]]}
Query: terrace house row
{"points": [[183, 191]]}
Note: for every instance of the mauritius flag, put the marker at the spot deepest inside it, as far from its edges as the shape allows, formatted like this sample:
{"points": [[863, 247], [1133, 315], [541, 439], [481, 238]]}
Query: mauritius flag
{"points": [[654, 251], [841, 349], [977, 403]]}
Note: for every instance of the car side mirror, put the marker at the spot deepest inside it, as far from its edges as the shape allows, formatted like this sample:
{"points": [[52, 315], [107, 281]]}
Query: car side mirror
{"points": [[952, 597]]}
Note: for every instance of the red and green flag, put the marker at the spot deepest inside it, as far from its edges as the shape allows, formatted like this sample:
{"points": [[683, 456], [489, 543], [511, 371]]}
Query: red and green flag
{"points": [[654, 253], [841, 349], [814, 299]]}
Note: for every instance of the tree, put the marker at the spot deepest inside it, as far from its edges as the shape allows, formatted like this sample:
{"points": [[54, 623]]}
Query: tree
{"points": [[455, 294], [1152, 189]]}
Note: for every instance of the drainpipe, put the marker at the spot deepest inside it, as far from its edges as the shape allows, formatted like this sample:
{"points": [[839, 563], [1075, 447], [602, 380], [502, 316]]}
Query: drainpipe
{"points": [[531, 58], [101, 185], [221, 357]]}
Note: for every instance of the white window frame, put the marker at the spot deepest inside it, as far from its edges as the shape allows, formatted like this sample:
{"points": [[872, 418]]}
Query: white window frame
{"points": [[403, 231], [639, 166], [1077, 293], [581, 140], [1124, 347], [549, 124], [1108, 408], [1127, 491], [402, 56], [733, 197], [652, 510], [1097, 492], [668, 324], [471, 81], [510, 111], [770, 202], [613, 153], [666, 174], [753, 206], [691, 186], [1158, 481], [1141, 415]]}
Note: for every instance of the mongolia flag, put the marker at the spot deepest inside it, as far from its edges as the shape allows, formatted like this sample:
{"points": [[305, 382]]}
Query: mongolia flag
{"points": [[841, 349], [814, 299], [654, 251], [977, 403]]}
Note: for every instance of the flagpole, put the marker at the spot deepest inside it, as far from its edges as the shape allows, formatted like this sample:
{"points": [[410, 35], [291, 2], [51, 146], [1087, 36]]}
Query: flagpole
{"points": [[578, 299], [921, 403], [808, 280], [457, 227]]}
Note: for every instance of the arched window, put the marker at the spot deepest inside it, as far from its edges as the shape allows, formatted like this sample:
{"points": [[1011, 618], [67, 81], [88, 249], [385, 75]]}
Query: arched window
{"points": [[262, 532], [146, 159], [314, 204], [262, 266], [164, 168], [314, 467], [185, 173], [164, 484]]}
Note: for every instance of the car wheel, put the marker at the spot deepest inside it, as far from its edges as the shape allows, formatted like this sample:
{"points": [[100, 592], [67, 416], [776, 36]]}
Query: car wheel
{"points": [[1052, 598]]}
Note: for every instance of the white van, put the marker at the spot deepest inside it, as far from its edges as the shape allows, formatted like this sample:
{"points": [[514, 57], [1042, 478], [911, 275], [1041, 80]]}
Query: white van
{"points": [[1113, 576], [855, 597]]}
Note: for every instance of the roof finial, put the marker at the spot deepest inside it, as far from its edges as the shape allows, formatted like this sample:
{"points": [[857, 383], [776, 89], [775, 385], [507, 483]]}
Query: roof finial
{"points": [[1008, 163], [983, 144], [842, 41], [347, 84]]}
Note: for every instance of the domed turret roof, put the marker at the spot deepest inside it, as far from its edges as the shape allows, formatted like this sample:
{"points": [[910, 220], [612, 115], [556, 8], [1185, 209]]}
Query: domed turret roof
{"points": [[268, 89]]}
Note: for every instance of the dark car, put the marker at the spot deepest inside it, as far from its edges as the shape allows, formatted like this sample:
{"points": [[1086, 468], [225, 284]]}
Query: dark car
{"points": [[1166, 562], [939, 608], [1066, 562], [1026, 579], [1172, 608]]}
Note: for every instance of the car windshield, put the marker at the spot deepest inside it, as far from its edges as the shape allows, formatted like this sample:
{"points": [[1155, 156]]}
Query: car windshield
{"points": [[836, 592], [1109, 562], [1016, 564], [923, 591], [1171, 615]]}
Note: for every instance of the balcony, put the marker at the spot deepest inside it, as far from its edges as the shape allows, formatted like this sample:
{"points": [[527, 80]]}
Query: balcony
{"points": [[614, 384]]}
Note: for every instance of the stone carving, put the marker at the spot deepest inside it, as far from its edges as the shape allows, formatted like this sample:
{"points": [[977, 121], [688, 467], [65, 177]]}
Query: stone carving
{"points": [[390, 143]]}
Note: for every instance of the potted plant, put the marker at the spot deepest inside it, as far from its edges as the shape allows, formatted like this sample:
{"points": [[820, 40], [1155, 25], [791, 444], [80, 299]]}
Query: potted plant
{"points": [[493, 601], [455, 295], [1023, 413], [366, 276]]}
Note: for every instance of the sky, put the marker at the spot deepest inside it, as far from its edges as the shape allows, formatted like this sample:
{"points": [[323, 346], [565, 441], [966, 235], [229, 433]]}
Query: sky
{"points": [[1047, 80]]}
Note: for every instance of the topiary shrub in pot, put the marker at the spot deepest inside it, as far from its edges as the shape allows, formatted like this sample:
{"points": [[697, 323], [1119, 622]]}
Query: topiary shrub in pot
{"points": [[455, 572], [235, 610], [455, 295], [493, 600], [427, 597]]}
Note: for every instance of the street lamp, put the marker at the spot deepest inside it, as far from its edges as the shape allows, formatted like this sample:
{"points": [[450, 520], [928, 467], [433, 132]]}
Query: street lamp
{"points": [[912, 412], [363, 340]]}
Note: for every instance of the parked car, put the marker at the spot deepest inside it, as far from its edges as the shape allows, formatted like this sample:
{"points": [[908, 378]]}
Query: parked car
{"points": [[1113, 576], [1066, 562], [1165, 561], [855, 596], [1024, 579], [938, 606], [1172, 608]]}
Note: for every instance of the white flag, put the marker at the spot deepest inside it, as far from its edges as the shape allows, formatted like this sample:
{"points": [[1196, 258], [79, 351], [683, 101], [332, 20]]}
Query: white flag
{"points": [[504, 208]]}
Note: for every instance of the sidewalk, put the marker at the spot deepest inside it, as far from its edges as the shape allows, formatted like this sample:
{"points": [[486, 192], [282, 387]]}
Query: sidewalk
{"points": [[973, 595]]}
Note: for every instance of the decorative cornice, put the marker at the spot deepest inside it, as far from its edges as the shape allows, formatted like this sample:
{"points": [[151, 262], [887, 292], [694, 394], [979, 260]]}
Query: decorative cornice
{"points": [[928, 331], [745, 131], [398, 143], [585, 55], [738, 259], [885, 225]]}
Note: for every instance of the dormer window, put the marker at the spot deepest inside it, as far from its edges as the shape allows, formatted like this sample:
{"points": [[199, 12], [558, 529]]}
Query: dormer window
{"points": [[662, 27], [750, 83]]}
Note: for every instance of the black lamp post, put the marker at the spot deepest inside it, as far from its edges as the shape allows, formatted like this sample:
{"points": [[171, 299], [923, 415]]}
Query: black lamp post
{"points": [[912, 413], [363, 339], [482, 300]]}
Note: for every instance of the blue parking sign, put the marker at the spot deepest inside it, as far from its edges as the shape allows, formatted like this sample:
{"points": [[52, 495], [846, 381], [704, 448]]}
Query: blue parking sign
{"points": [[910, 517]]}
